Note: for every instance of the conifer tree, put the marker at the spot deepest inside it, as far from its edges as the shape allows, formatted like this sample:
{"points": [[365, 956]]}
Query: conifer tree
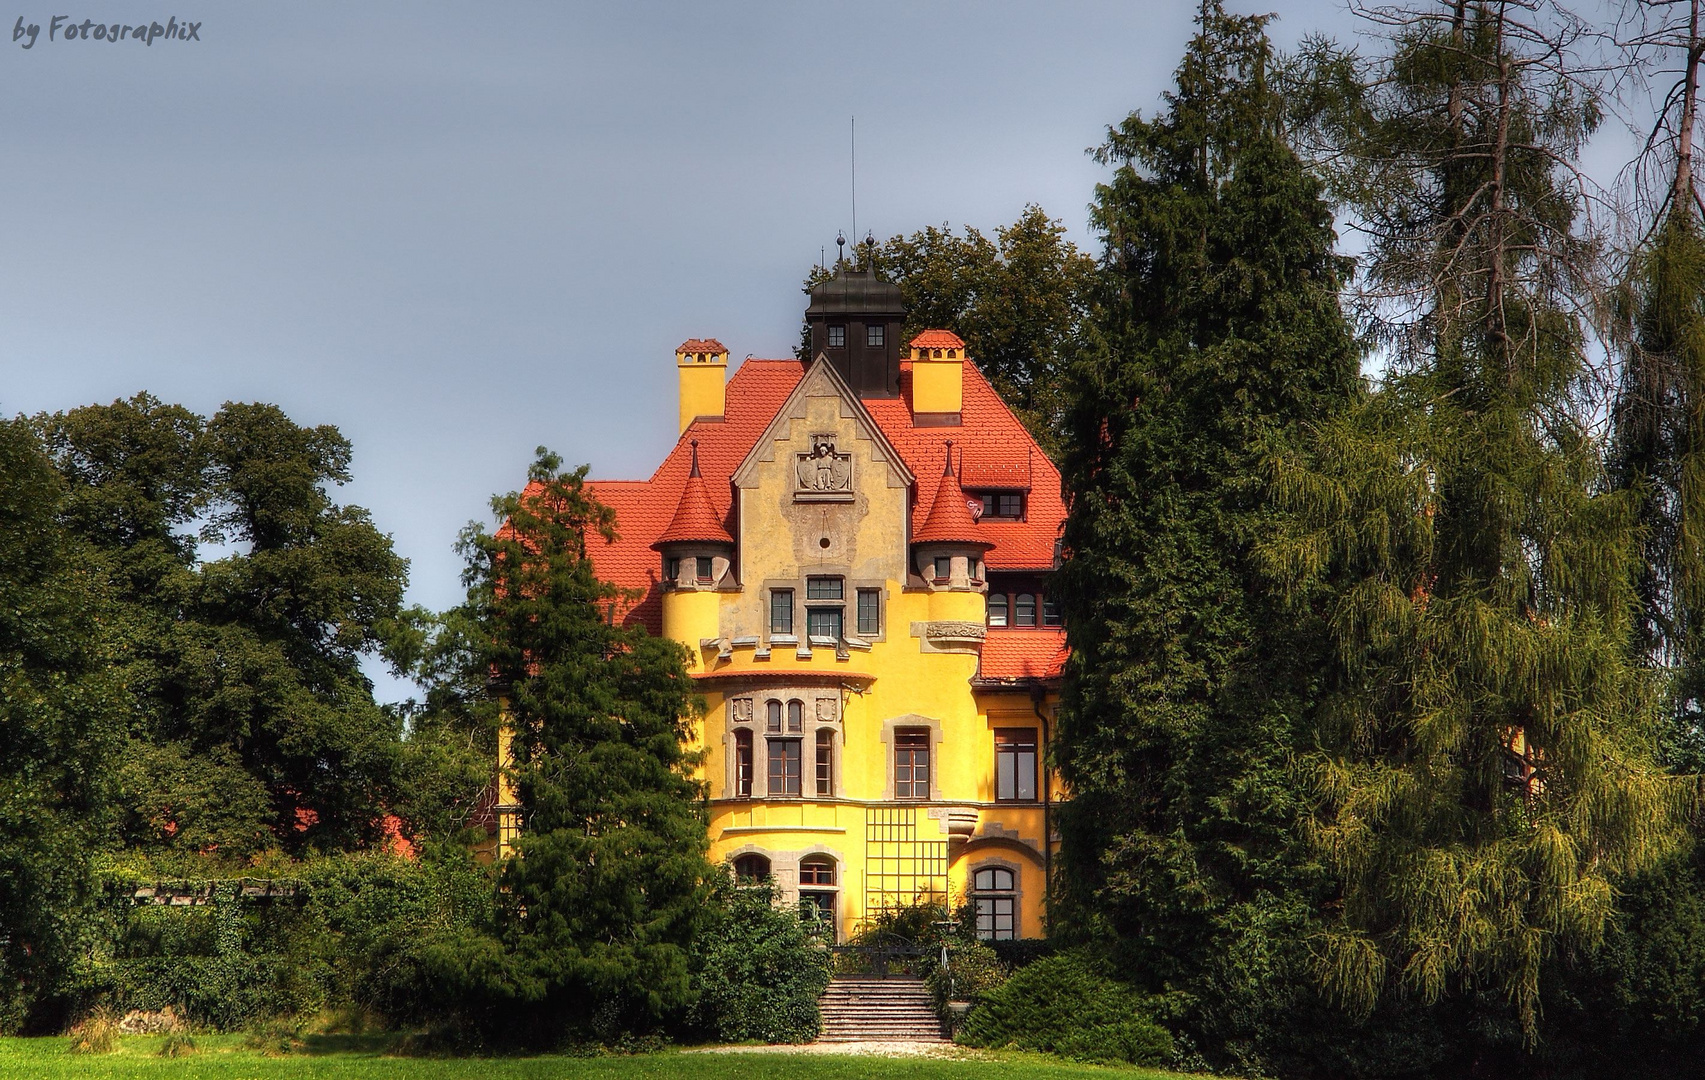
{"points": [[612, 875], [1658, 454], [1486, 761], [1218, 336]]}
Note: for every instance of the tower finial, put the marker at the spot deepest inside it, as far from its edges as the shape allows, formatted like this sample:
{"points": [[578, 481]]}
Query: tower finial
{"points": [[948, 471], [695, 470]]}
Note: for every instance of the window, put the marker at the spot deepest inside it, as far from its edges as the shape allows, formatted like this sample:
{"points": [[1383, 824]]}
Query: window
{"points": [[704, 568], [911, 763], [817, 871], [823, 623], [825, 761], [784, 769], [1015, 764], [818, 908], [781, 611], [1050, 611], [992, 895], [671, 571], [742, 764], [837, 337], [873, 336], [997, 609], [823, 588], [943, 568], [772, 717], [1003, 504], [869, 612], [1024, 610], [795, 717], [751, 869]]}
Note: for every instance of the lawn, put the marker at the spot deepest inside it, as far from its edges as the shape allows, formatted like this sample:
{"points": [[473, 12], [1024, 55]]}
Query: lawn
{"points": [[225, 1058]]}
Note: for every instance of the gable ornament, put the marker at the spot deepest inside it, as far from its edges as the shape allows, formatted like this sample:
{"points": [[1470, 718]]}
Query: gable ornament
{"points": [[822, 473]]}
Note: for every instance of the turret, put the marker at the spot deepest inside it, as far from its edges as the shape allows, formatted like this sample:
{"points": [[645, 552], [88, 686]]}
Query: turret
{"points": [[947, 550], [855, 319], [698, 557]]}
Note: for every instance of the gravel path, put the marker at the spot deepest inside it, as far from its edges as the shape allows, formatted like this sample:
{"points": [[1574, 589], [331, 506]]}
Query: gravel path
{"points": [[865, 1049]]}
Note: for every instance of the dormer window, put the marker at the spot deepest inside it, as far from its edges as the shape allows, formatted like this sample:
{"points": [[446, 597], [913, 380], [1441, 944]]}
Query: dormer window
{"points": [[837, 337], [1007, 505]]}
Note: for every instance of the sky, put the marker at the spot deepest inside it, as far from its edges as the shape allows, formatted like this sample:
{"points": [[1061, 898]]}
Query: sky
{"points": [[460, 232]]}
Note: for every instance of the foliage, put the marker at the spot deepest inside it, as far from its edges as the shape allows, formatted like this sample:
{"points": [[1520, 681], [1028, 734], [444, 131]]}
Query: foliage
{"points": [[757, 969], [1064, 1005], [97, 1034], [61, 723], [241, 645], [973, 969], [177, 1044], [1193, 677], [1017, 299], [1485, 768], [598, 910]]}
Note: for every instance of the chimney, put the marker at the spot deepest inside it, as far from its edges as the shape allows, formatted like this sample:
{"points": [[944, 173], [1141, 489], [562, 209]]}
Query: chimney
{"points": [[702, 364], [938, 378]]}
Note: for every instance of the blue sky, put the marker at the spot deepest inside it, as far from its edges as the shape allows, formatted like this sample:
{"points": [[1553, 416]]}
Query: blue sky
{"points": [[460, 232]]}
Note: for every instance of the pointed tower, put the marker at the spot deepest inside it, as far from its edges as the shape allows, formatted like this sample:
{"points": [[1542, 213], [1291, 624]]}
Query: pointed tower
{"points": [[947, 550], [698, 554]]}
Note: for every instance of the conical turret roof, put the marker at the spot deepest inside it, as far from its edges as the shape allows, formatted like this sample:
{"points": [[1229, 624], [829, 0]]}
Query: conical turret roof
{"points": [[695, 519], [949, 520]]}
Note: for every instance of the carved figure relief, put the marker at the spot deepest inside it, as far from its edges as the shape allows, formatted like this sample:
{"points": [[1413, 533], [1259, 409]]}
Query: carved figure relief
{"points": [[824, 472]]}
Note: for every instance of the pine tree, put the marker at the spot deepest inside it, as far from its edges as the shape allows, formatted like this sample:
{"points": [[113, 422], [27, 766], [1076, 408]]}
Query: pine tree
{"points": [[1486, 763], [1218, 338], [612, 875]]}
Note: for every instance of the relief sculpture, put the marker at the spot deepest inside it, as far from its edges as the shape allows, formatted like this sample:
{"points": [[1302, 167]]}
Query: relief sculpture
{"points": [[823, 473]]}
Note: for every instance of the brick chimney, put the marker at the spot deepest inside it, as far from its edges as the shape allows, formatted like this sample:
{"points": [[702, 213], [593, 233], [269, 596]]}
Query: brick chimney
{"points": [[938, 378], [702, 364]]}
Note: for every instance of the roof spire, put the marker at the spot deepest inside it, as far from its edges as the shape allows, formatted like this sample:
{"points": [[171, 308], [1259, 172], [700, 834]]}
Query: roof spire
{"points": [[696, 520], [695, 469], [948, 471]]}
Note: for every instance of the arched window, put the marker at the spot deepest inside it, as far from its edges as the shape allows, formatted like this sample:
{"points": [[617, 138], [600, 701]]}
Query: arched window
{"points": [[751, 869], [742, 764], [795, 717], [993, 894], [997, 609], [817, 870], [1024, 610], [772, 717], [825, 761]]}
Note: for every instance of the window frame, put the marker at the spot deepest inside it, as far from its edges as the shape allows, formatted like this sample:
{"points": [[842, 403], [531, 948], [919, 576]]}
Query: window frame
{"points": [[1012, 747], [704, 569], [943, 573], [1050, 612], [1003, 607], [816, 588], [873, 628], [781, 603], [875, 336], [996, 909], [837, 336], [812, 864], [796, 717], [772, 716], [795, 756], [912, 751], [749, 858], [1020, 615], [813, 614], [745, 763], [825, 761]]}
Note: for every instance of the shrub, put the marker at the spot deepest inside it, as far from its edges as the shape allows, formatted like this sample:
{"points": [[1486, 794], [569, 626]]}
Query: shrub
{"points": [[757, 970], [973, 971], [177, 1044], [98, 1034], [1064, 1005]]}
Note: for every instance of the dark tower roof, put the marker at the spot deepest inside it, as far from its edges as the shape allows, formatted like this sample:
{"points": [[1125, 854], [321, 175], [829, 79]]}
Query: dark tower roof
{"points": [[855, 319], [856, 292]]}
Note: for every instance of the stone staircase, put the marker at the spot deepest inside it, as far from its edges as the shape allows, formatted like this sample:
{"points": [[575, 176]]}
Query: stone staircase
{"points": [[867, 1008]]}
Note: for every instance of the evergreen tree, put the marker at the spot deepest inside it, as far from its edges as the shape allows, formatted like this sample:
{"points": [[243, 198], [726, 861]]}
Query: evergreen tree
{"points": [[61, 723], [612, 876], [1219, 336], [1658, 453], [1486, 764]]}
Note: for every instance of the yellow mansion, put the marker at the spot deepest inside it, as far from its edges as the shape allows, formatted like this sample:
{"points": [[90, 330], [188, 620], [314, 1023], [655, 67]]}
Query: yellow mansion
{"points": [[857, 551]]}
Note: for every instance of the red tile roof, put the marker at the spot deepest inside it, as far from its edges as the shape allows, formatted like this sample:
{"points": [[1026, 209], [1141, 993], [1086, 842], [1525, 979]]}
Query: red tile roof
{"points": [[695, 519], [989, 438], [1012, 655], [937, 339], [698, 345], [950, 520]]}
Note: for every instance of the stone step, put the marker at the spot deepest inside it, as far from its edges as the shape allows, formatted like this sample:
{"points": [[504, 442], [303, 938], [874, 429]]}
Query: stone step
{"points": [[873, 1008]]}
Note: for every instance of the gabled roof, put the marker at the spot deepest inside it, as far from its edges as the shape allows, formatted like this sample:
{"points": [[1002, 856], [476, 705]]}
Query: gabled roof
{"points": [[989, 442], [794, 409], [1020, 656]]}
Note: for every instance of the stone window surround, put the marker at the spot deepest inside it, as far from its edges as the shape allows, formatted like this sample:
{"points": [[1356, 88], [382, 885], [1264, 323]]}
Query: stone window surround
{"points": [[912, 720], [849, 602], [993, 862], [809, 696], [784, 873]]}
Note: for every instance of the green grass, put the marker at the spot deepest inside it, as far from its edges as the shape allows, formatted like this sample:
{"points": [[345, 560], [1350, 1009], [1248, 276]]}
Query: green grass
{"points": [[225, 1058]]}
